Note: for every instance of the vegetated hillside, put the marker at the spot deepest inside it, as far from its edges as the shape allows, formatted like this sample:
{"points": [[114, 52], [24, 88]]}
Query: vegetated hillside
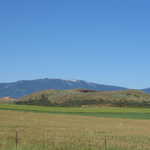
{"points": [[26, 87], [81, 97]]}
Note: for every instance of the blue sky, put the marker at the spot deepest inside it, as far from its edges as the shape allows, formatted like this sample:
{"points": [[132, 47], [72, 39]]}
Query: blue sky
{"points": [[105, 41]]}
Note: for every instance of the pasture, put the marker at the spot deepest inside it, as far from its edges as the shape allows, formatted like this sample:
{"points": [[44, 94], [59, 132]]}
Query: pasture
{"points": [[48, 128], [113, 112]]}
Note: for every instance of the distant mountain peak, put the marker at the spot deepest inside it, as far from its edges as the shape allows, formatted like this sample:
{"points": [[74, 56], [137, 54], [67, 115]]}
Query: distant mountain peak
{"points": [[25, 87]]}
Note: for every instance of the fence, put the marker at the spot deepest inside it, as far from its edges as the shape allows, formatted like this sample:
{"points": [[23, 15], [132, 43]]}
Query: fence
{"points": [[18, 140]]}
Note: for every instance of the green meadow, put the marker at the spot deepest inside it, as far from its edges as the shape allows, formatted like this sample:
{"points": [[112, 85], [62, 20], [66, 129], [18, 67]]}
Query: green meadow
{"points": [[113, 112]]}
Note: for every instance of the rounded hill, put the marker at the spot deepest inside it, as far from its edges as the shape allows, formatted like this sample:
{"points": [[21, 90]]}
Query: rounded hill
{"points": [[85, 97]]}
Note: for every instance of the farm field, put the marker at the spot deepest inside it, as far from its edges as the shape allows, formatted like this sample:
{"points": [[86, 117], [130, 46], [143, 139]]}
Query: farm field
{"points": [[66, 129], [113, 112]]}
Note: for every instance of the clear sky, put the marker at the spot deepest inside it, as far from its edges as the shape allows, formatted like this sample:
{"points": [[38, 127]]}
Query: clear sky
{"points": [[105, 41]]}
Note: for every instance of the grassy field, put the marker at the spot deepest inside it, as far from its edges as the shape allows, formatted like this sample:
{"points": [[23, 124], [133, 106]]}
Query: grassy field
{"points": [[59, 128], [113, 112], [43, 131]]}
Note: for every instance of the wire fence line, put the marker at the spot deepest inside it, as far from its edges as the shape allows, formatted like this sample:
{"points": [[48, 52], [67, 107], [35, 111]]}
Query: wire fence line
{"points": [[18, 140]]}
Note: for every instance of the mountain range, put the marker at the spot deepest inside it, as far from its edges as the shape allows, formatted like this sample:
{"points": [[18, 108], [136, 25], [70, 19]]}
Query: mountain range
{"points": [[25, 87]]}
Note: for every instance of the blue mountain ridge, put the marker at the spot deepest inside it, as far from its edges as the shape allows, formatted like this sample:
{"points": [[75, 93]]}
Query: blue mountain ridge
{"points": [[26, 87]]}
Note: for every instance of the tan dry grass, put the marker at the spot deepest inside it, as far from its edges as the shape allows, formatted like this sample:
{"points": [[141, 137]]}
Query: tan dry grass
{"points": [[35, 128]]}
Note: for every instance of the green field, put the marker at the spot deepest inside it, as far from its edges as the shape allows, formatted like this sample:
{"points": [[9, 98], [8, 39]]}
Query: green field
{"points": [[112, 112]]}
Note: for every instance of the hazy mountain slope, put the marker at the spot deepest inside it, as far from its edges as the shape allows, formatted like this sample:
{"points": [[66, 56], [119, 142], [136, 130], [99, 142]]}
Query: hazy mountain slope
{"points": [[25, 87], [147, 90]]}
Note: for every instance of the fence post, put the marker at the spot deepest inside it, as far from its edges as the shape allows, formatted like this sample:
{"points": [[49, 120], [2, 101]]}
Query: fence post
{"points": [[17, 139], [105, 143]]}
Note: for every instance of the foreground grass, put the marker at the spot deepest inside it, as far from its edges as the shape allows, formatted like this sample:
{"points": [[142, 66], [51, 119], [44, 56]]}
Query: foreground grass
{"points": [[42, 131], [113, 112]]}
